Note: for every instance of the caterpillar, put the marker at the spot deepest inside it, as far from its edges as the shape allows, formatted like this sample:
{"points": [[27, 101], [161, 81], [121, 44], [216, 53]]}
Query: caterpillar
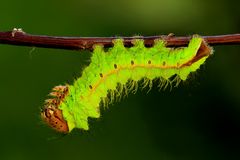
{"points": [[114, 73]]}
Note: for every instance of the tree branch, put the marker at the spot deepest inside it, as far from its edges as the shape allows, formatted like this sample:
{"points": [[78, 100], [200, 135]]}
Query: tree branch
{"points": [[18, 37]]}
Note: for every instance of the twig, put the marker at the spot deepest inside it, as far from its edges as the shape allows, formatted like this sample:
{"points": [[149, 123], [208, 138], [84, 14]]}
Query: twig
{"points": [[18, 37]]}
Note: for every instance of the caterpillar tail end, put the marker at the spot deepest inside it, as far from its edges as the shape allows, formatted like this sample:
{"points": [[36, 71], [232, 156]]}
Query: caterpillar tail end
{"points": [[204, 50], [51, 114]]}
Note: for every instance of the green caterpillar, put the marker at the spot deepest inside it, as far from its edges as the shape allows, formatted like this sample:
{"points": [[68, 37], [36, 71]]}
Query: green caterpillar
{"points": [[114, 73]]}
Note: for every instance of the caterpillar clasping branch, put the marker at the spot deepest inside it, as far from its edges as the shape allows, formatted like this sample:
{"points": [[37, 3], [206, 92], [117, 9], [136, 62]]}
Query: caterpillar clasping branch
{"points": [[116, 72]]}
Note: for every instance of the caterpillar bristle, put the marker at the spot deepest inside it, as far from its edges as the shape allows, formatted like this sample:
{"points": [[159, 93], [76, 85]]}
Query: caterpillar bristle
{"points": [[60, 89], [52, 101]]}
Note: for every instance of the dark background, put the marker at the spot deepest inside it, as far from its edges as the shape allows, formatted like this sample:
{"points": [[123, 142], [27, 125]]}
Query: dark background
{"points": [[198, 120]]}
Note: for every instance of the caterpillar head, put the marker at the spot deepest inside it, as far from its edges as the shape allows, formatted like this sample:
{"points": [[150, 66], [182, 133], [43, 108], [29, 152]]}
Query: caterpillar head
{"points": [[51, 114]]}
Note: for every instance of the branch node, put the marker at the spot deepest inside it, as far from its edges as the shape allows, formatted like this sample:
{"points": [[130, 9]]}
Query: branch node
{"points": [[17, 30]]}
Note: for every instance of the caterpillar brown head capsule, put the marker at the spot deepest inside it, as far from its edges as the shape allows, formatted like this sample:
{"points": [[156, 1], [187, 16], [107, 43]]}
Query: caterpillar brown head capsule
{"points": [[51, 113]]}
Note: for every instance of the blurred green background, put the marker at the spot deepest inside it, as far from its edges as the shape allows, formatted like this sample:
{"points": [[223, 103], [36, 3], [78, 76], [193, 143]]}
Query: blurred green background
{"points": [[198, 120]]}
